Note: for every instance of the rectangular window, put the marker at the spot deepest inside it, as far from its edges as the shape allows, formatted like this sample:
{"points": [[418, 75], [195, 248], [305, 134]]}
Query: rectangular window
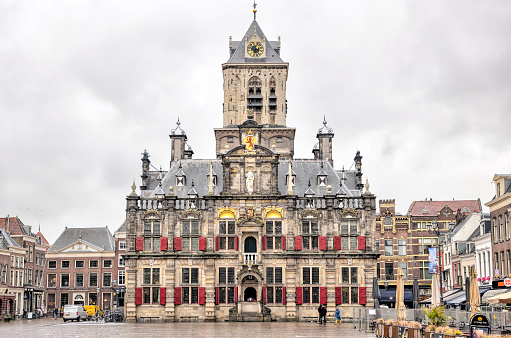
{"points": [[122, 245], [404, 267], [190, 295], [190, 276], [107, 263], [310, 235], [121, 277], [190, 234], [273, 235], [152, 236], [65, 264], [52, 280], [93, 264], [345, 295], [227, 231], [64, 280], [79, 280], [107, 279], [424, 270], [274, 277], [64, 299], [79, 264], [93, 279], [52, 264], [401, 247], [389, 247], [226, 275], [310, 275], [121, 261], [389, 271]]}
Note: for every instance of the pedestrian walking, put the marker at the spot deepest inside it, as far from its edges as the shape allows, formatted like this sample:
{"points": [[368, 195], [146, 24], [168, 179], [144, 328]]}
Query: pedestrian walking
{"points": [[322, 314], [337, 315], [56, 313]]}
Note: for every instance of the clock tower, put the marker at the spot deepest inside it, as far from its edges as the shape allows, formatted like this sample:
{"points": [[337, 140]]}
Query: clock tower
{"points": [[255, 90]]}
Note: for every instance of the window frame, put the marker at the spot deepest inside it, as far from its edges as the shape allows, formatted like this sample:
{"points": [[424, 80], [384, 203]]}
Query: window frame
{"points": [[310, 238], [227, 239], [190, 241], [274, 236]]}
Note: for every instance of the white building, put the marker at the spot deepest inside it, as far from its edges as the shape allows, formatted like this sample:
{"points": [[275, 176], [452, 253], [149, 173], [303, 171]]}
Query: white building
{"points": [[482, 241]]}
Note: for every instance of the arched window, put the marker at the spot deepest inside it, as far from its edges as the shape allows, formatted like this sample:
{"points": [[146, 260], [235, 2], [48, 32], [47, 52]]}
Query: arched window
{"points": [[272, 98], [254, 97]]}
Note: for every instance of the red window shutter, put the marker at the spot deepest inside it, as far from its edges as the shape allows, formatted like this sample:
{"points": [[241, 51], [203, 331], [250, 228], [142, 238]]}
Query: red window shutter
{"points": [[322, 243], [202, 296], [362, 299], [164, 243], [138, 296], [322, 295], [264, 294], [177, 296], [178, 243], [299, 295], [235, 294], [361, 242], [217, 239], [236, 243], [139, 244], [283, 242], [217, 291], [298, 243], [338, 295], [337, 243], [163, 296], [202, 243], [284, 299], [264, 242]]}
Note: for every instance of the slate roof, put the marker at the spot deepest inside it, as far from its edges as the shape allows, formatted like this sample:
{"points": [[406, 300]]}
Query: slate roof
{"points": [[98, 237], [16, 226], [197, 171], [434, 207], [238, 48], [122, 228], [6, 240]]}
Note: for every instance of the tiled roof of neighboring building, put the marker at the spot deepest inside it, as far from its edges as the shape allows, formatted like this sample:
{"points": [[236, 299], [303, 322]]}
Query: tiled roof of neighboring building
{"points": [[99, 237], [42, 238], [16, 226], [434, 207], [6, 240]]}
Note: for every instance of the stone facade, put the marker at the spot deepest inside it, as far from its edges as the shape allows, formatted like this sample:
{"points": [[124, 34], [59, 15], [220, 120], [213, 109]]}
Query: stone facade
{"points": [[254, 234]]}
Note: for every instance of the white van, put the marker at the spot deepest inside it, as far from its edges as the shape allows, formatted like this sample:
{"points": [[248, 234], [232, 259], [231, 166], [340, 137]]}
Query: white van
{"points": [[74, 312]]}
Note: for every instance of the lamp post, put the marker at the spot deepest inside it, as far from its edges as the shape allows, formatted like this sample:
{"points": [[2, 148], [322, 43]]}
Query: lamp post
{"points": [[116, 293], [436, 231]]}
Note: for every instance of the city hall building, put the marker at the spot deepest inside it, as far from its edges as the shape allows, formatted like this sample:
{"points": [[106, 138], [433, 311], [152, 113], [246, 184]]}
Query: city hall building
{"points": [[254, 234]]}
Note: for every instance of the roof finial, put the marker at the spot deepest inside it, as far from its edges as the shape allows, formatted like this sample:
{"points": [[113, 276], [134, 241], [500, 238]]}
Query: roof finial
{"points": [[254, 10]]}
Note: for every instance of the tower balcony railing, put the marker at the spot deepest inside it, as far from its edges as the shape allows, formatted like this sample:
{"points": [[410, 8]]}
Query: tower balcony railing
{"points": [[250, 258], [355, 202], [161, 203]]}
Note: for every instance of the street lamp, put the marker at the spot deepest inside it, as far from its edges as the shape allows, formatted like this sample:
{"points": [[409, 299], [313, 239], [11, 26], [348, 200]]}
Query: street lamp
{"points": [[116, 293], [436, 231]]}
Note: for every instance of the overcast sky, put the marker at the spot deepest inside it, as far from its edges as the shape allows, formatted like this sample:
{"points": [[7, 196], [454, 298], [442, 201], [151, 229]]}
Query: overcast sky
{"points": [[421, 88]]}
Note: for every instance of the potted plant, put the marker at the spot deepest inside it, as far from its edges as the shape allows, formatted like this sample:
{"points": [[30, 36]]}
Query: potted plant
{"points": [[379, 327], [399, 328], [7, 317], [450, 333], [414, 330], [440, 331], [436, 317], [429, 330], [387, 328]]}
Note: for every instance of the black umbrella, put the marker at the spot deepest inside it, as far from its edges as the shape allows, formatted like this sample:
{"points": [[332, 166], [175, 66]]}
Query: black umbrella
{"points": [[415, 293], [467, 293], [376, 293]]}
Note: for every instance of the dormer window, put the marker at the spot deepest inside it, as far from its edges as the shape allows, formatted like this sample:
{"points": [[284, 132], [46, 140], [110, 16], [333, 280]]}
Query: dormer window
{"points": [[498, 189], [388, 220], [193, 193], [465, 209], [180, 177], [425, 211], [322, 177]]}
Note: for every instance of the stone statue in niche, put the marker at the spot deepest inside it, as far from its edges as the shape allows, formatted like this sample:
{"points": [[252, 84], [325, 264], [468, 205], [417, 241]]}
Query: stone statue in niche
{"points": [[250, 182]]}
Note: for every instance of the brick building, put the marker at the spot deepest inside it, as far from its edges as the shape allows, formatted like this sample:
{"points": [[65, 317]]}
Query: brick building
{"points": [[404, 240], [81, 267], [12, 258], [500, 208], [253, 234]]}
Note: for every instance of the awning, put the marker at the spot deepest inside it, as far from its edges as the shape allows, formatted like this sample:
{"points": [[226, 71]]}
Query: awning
{"points": [[457, 300], [389, 296], [492, 294]]}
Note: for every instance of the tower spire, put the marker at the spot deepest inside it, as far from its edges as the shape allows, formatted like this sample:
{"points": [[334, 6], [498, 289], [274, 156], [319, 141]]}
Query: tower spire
{"points": [[254, 10]]}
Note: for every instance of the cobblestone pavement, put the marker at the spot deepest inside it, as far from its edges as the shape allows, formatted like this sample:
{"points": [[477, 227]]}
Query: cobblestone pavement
{"points": [[49, 327]]}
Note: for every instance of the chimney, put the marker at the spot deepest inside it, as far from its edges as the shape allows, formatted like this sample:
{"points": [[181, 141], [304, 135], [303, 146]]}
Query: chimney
{"points": [[7, 224]]}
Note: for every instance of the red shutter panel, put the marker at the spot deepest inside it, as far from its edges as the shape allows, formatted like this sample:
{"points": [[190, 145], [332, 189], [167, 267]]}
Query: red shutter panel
{"points": [[283, 242], [139, 244], [361, 242], [322, 243], [264, 294], [202, 243], [299, 295], [217, 243], [177, 296], [298, 243], [338, 295], [322, 295], [362, 299], [264, 242], [235, 294], [163, 296], [178, 243], [216, 294], [284, 299], [337, 243], [164, 244], [202, 296], [236, 243], [138, 296]]}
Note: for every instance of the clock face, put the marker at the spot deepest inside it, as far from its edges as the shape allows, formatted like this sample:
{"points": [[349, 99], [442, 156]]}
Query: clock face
{"points": [[255, 49]]}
